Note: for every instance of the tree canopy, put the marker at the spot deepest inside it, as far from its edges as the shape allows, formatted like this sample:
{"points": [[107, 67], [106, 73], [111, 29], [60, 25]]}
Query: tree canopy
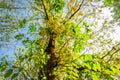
{"points": [[62, 40]]}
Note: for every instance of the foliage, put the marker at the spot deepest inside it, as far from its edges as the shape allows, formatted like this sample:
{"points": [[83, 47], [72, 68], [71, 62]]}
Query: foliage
{"points": [[116, 6], [108, 2], [55, 45]]}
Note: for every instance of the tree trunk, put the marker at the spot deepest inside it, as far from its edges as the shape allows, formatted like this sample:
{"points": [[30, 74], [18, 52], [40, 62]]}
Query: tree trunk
{"points": [[52, 62]]}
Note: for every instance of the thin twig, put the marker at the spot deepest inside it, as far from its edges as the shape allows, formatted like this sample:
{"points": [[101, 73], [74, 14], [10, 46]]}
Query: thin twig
{"points": [[106, 54], [36, 7], [76, 58], [113, 48], [63, 46], [85, 17]]}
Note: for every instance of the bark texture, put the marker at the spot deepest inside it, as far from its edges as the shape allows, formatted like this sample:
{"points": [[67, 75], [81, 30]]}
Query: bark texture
{"points": [[52, 62]]}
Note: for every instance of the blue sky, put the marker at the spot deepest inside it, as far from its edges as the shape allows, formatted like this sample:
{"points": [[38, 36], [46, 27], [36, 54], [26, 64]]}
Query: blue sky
{"points": [[9, 47]]}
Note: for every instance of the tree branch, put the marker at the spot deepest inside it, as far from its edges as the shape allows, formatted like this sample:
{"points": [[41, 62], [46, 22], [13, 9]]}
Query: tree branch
{"points": [[75, 11], [113, 48], [112, 55], [63, 45], [45, 10], [11, 7], [79, 56]]}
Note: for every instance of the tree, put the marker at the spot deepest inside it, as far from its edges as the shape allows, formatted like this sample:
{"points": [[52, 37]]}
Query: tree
{"points": [[57, 37]]}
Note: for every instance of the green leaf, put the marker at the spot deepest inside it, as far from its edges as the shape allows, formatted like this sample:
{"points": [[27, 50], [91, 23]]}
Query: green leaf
{"points": [[98, 67], [27, 42], [3, 68], [23, 23], [108, 71], [14, 75], [95, 77], [86, 26], [8, 73], [108, 2], [20, 69], [88, 57], [95, 67], [19, 36], [14, 66], [32, 28], [57, 5], [88, 66], [114, 69], [76, 29]]}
